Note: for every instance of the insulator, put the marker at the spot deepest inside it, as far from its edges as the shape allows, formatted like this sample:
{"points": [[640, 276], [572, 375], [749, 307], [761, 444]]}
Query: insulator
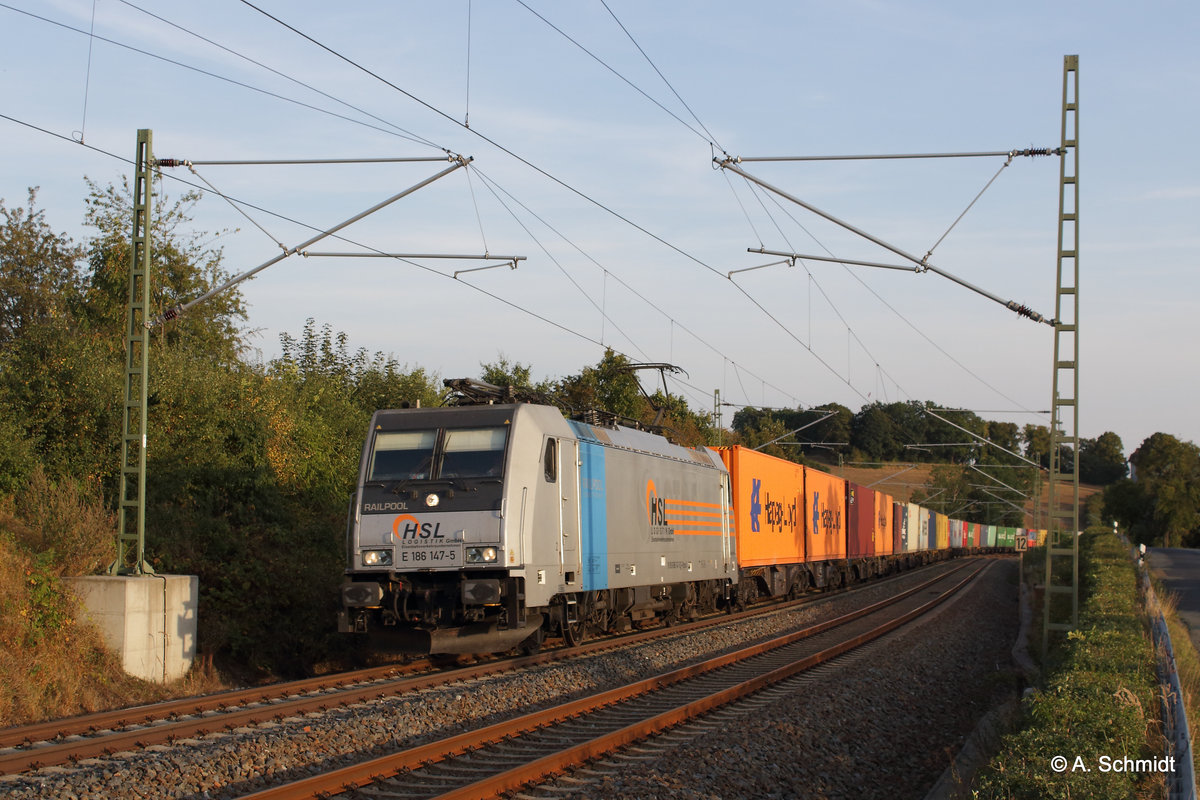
{"points": [[1036, 151], [1024, 311], [170, 314], [171, 162]]}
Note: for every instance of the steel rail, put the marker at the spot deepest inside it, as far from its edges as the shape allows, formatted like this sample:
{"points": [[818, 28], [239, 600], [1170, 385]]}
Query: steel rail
{"points": [[357, 775], [207, 713], [555, 763], [154, 712]]}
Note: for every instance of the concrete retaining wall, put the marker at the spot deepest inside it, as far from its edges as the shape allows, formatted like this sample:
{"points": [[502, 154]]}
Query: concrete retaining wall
{"points": [[149, 620]]}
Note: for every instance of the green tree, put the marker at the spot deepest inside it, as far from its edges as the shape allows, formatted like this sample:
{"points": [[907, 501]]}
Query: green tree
{"points": [[958, 446], [1168, 472], [766, 428], [608, 386], [873, 434], [59, 384], [1037, 443], [1127, 502], [910, 422], [183, 267], [1006, 435], [503, 372], [39, 274], [1102, 460]]}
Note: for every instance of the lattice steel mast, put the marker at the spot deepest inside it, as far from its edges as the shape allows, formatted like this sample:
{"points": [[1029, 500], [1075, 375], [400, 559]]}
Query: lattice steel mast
{"points": [[131, 508], [1062, 547]]}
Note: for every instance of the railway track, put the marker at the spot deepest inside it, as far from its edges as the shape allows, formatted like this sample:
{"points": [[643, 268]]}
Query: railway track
{"points": [[70, 740], [506, 756]]}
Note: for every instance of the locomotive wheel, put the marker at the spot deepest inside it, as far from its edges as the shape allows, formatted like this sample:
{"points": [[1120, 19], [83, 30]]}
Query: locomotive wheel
{"points": [[573, 631]]}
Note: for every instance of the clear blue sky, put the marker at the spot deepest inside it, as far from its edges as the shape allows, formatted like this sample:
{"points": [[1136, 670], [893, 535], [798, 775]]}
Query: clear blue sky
{"points": [[634, 254]]}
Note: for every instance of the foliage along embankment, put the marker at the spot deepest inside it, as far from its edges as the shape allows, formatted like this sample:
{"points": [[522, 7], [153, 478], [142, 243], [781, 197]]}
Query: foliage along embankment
{"points": [[1100, 699], [51, 663]]}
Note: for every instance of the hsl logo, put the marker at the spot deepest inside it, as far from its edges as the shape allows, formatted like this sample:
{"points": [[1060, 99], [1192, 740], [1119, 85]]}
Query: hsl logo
{"points": [[406, 527], [656, 507], [755, 503]]}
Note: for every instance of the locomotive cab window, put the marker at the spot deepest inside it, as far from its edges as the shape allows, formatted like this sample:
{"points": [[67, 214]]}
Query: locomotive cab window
{"points": [[551, 460], [402, 455], [473, 453]]}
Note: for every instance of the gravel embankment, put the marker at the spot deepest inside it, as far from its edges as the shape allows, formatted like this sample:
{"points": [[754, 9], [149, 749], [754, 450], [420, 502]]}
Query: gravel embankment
{"points": [[882, 725], [906, 710]]}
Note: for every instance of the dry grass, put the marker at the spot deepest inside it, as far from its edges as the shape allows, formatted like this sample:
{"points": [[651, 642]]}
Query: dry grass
{"points": [[51, 663], [1187, 662]]}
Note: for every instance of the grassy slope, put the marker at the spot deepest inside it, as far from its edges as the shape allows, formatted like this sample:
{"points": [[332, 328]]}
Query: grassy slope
{"points": [[1100, 698]]}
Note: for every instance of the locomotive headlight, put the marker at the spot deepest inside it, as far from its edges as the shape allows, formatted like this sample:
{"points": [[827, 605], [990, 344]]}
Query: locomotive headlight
{"points": [[432, 500], [482, 555], [377, 558]]}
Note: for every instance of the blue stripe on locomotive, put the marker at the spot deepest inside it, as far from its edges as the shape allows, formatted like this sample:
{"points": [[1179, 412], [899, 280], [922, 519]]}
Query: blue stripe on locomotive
{"points": [[593, 516]]}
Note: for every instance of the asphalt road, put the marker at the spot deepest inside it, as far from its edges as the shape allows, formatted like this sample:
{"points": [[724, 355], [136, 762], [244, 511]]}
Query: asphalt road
{"points": [[1179, 570]]}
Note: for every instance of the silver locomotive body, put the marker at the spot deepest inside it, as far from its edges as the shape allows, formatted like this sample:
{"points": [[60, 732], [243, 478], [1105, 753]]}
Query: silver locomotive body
{"points": [[479, 528]]}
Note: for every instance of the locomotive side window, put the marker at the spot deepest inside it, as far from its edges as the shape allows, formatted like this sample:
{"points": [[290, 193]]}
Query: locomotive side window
{"points": [[551, 460], [402, 455], [473, 453]]}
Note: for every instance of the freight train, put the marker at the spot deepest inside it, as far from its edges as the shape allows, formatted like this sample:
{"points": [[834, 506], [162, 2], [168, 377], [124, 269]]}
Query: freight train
{"points": [[489, 526]]}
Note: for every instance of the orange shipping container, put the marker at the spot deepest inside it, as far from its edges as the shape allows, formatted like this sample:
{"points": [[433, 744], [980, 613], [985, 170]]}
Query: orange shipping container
{"points": [[883, 527], [825, 515], [768, 498]]}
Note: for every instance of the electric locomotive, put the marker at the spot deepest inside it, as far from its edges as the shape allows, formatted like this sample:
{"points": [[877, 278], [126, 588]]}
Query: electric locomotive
{"points": [[484, 527]]}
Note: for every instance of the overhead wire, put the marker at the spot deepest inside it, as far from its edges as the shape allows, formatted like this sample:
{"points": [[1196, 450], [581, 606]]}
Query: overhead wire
{"points": [[489, 184], [850, 332], [421, 140], [604, 64], [820, 288], [392, 128], [712, 139], [211, 187], [87, 81], [467, 105], [409, 135], [621, 281], [577, 192], [211, 74], [526, 162], [566, 328], [475, 203], [970, 205], [742, 206], [902, 317]]}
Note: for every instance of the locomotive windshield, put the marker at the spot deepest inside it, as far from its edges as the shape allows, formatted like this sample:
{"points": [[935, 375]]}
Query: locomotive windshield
{"points": [[426, 455], [473, 453], [402, 455]]}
